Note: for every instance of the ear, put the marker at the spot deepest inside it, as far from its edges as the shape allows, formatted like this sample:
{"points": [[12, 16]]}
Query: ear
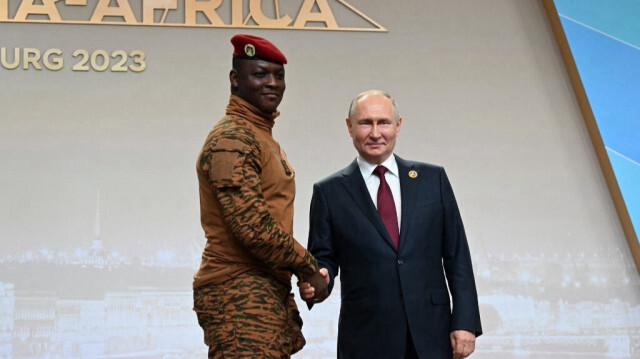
{"points": [[349, 126], [233, 78], [399, 124]]}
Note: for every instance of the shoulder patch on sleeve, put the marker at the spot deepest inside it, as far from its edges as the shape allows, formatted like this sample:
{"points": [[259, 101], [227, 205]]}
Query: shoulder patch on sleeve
{"points": [[227, 158], [226, 168]]}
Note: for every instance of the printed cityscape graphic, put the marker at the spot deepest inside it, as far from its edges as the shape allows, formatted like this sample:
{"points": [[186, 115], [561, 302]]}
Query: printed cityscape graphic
{"points": [[95, 302]]}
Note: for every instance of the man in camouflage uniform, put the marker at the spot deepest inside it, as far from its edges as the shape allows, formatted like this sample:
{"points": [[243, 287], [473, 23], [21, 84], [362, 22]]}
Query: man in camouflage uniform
{"points": [[242, 291]]}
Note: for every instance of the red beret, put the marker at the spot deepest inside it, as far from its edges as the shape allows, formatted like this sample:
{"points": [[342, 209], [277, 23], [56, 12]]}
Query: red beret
{"points": [[253, 47]]}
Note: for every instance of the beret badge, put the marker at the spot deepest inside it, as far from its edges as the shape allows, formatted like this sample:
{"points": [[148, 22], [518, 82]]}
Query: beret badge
{"points": [[249, 50]]}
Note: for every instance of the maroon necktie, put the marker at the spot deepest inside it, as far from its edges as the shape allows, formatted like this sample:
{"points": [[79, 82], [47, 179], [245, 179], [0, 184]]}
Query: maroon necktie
{"points": [[387, 207]]}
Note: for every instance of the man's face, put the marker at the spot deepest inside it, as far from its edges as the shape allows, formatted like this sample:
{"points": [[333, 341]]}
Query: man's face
{"points": [[259, 82], [373, 128]]}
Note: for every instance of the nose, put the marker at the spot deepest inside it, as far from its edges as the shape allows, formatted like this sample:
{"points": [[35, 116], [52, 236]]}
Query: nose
{"points": [[272, 80], [375, 131]]}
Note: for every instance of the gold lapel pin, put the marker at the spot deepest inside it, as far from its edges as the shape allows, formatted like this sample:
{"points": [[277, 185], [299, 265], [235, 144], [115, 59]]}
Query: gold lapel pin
{"points": [[413, 174]]}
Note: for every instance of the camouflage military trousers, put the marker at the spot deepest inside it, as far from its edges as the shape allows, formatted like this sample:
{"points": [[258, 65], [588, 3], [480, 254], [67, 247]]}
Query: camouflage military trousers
{"points": [[245, 317]]}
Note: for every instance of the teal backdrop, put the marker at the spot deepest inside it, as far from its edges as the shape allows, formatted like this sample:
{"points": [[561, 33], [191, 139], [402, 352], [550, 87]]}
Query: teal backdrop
{"points": [[604, 38]]}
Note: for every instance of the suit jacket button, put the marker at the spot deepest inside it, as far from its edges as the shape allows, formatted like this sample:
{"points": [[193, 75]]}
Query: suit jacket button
{"points": [[400, 262]]}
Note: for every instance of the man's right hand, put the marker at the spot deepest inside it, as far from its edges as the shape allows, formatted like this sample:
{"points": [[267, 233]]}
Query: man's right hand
{"points": [[315, 288]]}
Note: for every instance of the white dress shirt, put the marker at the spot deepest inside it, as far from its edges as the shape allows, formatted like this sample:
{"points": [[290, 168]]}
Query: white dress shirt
{"points": [[373, 182]]}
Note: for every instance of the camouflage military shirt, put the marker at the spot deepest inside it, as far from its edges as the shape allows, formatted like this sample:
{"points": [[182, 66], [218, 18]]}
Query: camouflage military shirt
{"points": [[246, 201]]}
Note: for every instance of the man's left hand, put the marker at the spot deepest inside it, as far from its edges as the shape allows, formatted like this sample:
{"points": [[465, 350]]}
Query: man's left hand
{"points": [[297, 340], [463, 343]]}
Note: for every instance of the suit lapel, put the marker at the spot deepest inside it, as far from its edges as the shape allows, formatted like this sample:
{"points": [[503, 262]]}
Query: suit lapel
{"points": [[357, 189], [408, 192]]}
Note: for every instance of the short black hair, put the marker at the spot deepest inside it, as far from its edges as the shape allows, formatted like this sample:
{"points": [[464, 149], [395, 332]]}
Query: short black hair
{"points": [[236, 61]]}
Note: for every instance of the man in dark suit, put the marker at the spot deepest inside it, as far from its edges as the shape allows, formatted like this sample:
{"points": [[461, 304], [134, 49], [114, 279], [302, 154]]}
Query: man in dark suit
{"points": [[393, 228]]}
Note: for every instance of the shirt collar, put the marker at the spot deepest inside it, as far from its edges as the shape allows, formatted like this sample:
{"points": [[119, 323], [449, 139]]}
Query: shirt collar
{"points": [[367, 168]]}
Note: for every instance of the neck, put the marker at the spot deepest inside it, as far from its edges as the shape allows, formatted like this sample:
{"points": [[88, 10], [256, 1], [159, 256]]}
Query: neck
{"points": [[239, 107]]}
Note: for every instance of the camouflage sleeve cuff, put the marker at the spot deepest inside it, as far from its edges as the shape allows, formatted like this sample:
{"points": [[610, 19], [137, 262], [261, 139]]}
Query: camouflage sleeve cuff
{"points": [[307, 264]]}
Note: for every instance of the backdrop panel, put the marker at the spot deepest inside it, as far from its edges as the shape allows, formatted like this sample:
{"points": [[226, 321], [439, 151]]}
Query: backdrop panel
{"points": [[99, 222]]}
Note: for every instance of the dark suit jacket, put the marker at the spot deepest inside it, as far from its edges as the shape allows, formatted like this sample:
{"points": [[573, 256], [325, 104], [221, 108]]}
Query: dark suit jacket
{"points": [[386, 291]]}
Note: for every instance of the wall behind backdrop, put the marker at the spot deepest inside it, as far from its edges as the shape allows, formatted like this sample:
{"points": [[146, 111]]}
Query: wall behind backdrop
{"points": [[99, 221]]}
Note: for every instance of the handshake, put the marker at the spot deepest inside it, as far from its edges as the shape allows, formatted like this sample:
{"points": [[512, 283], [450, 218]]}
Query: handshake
{"points": [[314, 288]]}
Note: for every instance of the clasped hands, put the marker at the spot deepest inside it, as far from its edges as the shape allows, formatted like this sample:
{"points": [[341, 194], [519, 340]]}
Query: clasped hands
{"points": [[314, 288]]}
